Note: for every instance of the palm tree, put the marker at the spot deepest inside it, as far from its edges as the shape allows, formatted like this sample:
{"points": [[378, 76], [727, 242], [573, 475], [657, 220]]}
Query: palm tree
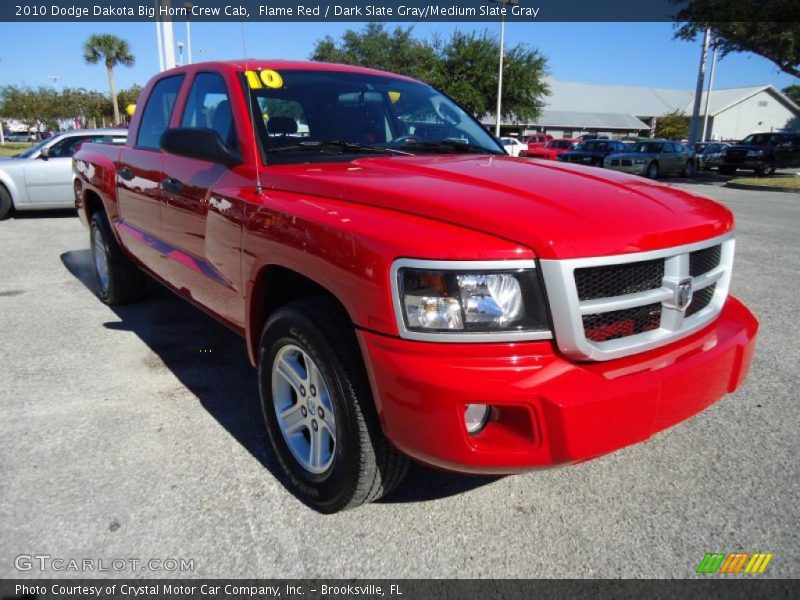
{"points": [[112, 51]]}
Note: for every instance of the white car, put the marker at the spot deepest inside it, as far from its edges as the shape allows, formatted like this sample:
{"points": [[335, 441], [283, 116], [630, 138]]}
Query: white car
{"points": [[513, 146], [41, 176]]}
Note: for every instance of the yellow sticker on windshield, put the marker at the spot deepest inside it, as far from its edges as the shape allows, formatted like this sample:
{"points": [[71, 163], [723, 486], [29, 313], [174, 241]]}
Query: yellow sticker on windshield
{"points": [[252, 80], [272, 79], [394, 97]]}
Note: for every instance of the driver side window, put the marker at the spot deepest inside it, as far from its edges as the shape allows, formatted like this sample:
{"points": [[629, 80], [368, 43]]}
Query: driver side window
{"points": [[68, 146]]}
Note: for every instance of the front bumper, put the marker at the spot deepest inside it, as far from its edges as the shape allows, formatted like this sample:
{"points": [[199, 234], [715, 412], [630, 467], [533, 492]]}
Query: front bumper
{"points": [[752, 164], [630, 169], [550, 410]]}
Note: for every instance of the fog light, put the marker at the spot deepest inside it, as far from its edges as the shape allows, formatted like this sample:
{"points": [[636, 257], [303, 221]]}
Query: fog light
{"points": [[475, 417]]}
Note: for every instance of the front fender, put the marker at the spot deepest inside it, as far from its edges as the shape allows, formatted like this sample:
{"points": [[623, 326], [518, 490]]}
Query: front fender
{"points": [[348, 249]]}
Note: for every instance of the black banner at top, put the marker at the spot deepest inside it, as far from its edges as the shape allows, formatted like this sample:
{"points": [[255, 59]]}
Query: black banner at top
{"points": [[410, 11]]}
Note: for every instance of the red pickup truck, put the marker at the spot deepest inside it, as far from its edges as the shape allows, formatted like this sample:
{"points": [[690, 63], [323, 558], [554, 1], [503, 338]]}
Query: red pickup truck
{"points": [[405, 288]]}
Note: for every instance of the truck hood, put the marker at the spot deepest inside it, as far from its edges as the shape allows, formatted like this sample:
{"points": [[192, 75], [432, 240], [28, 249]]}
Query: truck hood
{"points": [[558, 210], [749, 147]]}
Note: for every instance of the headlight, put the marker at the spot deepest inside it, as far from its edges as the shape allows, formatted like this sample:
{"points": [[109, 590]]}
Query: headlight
{"points": [[755, 153], [441, 300]]}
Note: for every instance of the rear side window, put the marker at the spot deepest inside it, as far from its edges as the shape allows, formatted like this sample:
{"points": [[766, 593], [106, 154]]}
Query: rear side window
{"points": [[209, 107], [157, 112]]}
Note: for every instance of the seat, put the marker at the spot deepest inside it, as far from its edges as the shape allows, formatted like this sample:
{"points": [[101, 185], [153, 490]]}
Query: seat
{"points": [[222, 123]]}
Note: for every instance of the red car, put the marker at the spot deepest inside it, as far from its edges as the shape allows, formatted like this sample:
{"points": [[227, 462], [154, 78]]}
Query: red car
{"points": [[550, 150], [405, 288], [538, 139]]}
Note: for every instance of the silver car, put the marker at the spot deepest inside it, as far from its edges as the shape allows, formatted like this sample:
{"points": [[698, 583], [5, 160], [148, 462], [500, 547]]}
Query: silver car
{"points": [[654, 159], [41, 176]]}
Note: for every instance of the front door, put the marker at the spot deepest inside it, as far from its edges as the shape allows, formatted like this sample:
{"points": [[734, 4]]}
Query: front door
{"points": [[204, 229], [49, 180]]}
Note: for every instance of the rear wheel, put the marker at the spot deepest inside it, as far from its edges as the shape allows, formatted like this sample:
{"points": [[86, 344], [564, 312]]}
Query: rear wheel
{"points": [[319, 411], [118, 280], [652, 170], [5, 203]]}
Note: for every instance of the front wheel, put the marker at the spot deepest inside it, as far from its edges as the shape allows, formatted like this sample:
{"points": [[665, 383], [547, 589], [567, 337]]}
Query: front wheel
{"points": [[652, 170], [688, 169], [5, 203], [766, 169], [118, 280], [318, 408]]}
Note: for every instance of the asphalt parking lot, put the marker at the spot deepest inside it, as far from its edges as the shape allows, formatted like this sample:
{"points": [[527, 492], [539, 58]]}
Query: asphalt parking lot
{"points": [[135, 433]]}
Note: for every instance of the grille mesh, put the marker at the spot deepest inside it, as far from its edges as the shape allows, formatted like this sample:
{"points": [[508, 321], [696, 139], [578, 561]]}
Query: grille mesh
{"points": [[703, 261], [622, 323], [617, 280], [700, 300]]}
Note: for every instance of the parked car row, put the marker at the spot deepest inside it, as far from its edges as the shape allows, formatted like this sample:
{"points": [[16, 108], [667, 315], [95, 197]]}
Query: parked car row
{"points": [[762, 153]]}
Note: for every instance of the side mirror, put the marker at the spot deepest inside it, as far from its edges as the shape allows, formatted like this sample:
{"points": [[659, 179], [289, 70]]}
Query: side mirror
{"points": [[202, 144], [44, 153]]}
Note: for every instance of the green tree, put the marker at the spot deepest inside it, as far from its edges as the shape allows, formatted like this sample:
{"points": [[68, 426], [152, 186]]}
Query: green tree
{"points": [[673, 126], [129, 96], [464, 66], [775, 36], [793, 93], [112, 51]]}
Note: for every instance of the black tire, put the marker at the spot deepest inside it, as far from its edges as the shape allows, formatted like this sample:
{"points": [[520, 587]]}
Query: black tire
{"points": [[6, 203], [688, 169], [364, 465], [766, 169], [125, 282], [652, 170]]}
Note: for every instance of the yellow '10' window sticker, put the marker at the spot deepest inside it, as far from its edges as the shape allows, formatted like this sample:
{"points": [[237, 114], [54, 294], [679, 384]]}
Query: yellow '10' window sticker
{"points": [[266, 78]]}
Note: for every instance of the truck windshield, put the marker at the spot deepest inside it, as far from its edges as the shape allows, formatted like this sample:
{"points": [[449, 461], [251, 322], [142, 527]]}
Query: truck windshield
{"points": [[303, 116]]}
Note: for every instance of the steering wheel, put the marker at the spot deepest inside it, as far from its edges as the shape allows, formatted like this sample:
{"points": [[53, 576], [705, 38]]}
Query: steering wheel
{"points": [[406, 138]]}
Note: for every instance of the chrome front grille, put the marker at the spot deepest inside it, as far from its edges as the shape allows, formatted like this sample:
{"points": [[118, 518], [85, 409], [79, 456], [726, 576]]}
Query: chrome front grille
{"points": [[612, 306]]}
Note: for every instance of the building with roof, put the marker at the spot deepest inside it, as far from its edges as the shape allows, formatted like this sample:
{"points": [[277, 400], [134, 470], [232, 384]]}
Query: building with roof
{"points": [[623, 110]]}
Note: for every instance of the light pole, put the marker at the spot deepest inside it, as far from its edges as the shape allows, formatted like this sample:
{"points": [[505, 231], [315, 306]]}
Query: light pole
{"points": [[188, 6], [698, 92], [710, 89], [55, 79], [180, 54], [502, 56]]}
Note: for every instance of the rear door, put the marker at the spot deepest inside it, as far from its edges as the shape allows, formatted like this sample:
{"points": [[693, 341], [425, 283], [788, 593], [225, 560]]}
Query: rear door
{"points": [[139, 175], [669, 159], [204, 229], [787, 152]]}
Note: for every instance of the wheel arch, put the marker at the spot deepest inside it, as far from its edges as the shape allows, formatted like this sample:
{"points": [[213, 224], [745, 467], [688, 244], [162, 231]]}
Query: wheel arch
{"points": [[273, 286], [10, 186]]}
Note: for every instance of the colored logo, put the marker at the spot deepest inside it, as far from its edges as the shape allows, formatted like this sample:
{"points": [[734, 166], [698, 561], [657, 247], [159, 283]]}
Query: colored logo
{"points": [[735, 562]]}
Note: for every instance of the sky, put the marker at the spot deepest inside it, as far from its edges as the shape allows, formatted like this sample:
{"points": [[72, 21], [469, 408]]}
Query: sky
{"points": [[611, 53]]}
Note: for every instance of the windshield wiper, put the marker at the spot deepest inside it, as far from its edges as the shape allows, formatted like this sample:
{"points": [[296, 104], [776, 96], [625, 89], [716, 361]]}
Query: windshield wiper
{"points": [[321, 146], [450, 145]]}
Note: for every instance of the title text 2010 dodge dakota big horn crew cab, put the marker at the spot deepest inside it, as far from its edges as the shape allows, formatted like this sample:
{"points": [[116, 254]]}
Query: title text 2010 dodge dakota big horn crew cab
{"points": [[405, 288]]}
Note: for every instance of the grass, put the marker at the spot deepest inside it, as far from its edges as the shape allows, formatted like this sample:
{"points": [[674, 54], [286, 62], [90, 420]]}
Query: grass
{"points": [[783, 182], [12, 148]]}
